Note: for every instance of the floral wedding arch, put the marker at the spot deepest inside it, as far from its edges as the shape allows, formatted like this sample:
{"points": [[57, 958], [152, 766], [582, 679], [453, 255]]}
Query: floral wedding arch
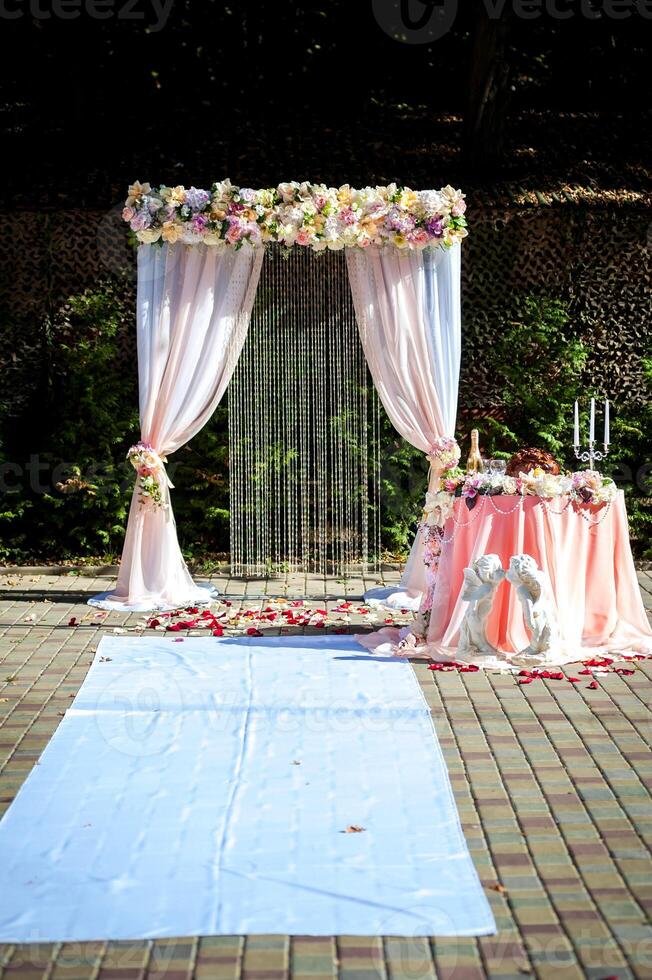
{"points": [[199, 259]]}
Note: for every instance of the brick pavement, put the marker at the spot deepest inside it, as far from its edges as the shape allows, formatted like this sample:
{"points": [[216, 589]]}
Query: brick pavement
{"points": [[552, 782]]}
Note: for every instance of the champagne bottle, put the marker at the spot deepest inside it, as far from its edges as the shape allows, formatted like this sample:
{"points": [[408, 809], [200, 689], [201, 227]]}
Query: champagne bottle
{"points": [[474, 461]]}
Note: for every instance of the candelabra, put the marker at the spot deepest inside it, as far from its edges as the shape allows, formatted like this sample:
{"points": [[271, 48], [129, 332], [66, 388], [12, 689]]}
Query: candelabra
{"points": [[591, 455]]}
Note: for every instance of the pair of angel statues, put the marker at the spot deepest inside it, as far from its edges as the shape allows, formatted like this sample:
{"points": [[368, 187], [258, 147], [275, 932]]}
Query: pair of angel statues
{"points": [[480, 583]]}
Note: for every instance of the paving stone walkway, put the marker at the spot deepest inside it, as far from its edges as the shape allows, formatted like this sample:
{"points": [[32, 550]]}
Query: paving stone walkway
{"points": [[552, 781]]}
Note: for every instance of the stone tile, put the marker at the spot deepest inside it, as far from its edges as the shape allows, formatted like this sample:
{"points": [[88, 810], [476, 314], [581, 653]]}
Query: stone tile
{"points": [[553, 789]]}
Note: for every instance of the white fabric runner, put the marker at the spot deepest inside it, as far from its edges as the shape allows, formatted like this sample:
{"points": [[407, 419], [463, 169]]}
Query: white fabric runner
{"points": [[204, 787]]}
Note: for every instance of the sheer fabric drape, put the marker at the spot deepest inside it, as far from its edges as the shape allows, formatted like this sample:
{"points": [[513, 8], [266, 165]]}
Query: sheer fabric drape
{"points": [[194, 305], [407, 305]]}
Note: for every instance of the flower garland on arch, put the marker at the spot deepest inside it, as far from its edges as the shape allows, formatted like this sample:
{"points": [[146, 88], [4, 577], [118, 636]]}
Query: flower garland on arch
{"points": [[303, 214]]}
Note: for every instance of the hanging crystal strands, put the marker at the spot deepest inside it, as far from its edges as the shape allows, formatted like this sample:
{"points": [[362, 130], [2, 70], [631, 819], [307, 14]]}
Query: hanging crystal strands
{"points": [[304, 427]]}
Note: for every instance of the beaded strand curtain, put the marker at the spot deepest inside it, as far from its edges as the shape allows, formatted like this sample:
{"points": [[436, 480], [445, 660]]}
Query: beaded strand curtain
{"points": [[303, 427]]}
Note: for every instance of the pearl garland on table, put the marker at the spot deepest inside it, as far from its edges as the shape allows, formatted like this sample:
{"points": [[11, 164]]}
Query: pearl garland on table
{"points": [[518, 503]]}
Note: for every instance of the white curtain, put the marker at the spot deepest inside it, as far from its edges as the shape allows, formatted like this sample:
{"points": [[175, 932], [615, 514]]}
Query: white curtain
{"points": [[407, 306], [193, 310]]}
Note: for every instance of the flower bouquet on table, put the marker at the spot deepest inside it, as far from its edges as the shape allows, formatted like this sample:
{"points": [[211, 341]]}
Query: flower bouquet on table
{"points": [[583, 487]]}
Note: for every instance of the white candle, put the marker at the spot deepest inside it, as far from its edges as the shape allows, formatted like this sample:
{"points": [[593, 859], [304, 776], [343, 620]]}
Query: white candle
{"points": [[592, 422], [576, 430], [606, 422]]}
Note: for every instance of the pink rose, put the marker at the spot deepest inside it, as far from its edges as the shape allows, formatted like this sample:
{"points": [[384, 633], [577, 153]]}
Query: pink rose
{"points": [[234, 234], [303, 238], [420, 237], [458, 209], [127, 214]]}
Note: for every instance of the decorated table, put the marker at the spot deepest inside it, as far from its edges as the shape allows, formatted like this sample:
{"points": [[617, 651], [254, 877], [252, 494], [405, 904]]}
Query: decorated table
{"points": [[584, 551], [552, 546]]}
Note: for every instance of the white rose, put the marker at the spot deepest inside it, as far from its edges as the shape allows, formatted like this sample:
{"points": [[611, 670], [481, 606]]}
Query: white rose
{"points": [[607, 492], [148, 235]]}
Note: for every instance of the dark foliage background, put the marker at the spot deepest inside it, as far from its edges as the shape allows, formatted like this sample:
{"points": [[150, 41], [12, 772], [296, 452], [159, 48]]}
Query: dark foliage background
{"points": [[273, 91], [522, 113]]}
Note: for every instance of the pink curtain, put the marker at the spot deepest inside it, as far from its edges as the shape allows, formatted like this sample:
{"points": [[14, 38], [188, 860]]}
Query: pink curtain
{"points": [[194, 305], [407, 306]]}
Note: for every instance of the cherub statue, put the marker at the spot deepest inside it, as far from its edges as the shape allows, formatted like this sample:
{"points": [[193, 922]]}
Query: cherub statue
{"points": [[540, 619], [480, 583]]}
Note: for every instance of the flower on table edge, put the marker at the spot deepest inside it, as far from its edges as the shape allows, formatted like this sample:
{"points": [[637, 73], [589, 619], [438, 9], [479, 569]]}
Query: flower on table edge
{"points": [[585, 487]]}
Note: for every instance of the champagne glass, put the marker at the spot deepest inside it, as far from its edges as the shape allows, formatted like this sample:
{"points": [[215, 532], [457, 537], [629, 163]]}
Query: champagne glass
{"points": [[497, 467]]}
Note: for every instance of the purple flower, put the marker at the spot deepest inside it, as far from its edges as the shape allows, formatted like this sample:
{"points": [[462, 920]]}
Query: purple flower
{"points": [[199, 222], [196, 198], [435, 226], [141, 221], [400, 221], [248, 195]]}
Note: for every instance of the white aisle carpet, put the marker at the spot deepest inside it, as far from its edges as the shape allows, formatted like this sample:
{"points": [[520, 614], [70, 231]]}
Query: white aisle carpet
{"points": [[229, 786]]}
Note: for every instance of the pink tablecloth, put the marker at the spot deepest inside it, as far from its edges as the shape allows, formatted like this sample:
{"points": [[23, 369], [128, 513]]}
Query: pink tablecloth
{"points": [[587, 556], [584, 550]]}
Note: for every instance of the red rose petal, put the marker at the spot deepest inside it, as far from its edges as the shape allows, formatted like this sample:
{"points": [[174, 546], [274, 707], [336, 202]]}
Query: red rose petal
{"points": [[574, 680], [72, 622], [252, 631], [593, 685], [526, 680]]}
